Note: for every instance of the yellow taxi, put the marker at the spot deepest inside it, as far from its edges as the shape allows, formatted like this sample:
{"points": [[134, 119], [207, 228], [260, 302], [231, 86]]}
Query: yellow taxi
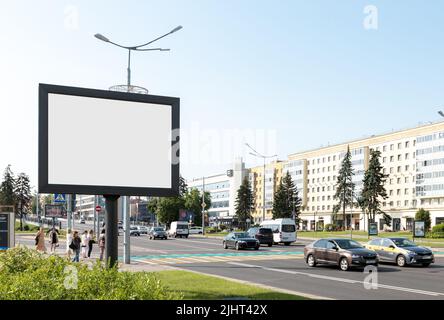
{"points": [[401, 251]]}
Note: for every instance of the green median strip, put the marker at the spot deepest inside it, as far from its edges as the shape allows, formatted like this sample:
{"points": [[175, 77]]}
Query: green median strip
{"points": [[195, 286]]}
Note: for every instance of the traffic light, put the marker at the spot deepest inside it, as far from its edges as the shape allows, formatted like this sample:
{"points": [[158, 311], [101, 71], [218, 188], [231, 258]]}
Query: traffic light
{"points": [[73, 203]]}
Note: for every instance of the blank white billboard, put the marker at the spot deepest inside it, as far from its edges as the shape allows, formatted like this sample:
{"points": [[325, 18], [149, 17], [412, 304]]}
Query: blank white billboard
{"points": [[101, 142]]}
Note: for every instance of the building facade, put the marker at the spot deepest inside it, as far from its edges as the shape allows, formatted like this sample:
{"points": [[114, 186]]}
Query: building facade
{"points": [[413, 159], [223, 189]]}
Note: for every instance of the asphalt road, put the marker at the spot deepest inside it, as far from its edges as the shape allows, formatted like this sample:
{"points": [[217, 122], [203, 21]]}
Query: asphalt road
{"points": [[284, 267]]}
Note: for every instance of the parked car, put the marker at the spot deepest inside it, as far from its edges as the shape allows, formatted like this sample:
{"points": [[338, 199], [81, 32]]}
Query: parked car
{"points": [[134, 231], [401, 251], [82, 221], [143, 229], [179, 229], [240, 240], [345, 253], [196, 230], [157, 233], [264, 235]]}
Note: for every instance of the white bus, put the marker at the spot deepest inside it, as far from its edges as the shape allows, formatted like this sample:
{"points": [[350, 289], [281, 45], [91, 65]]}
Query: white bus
{"points": [[284, 230]]}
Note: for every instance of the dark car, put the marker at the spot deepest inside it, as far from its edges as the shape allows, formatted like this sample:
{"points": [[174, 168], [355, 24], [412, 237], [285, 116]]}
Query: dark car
{"points": [[264, 235], [240, 240], [401, 251], [157, 233], [345, 253]]}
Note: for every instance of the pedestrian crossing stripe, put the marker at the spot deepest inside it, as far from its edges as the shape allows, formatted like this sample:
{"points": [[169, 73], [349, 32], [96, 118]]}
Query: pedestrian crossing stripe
{"points": [[220, 255], [213, 259]]}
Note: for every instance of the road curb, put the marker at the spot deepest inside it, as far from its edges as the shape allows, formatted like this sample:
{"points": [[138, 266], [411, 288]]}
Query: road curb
{"points": [[259, 285]]}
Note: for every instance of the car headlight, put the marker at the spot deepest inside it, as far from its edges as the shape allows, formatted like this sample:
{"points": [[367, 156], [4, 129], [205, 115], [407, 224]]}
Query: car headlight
{"points": [[241, 241], [356, 256], [411, 253]]}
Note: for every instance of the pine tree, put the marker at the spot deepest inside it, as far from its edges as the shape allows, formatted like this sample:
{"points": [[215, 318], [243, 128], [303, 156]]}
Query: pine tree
{"points": [[287, 203], [244, 202], [373, 190], [23, 196], [344, 186], [7, 196]]}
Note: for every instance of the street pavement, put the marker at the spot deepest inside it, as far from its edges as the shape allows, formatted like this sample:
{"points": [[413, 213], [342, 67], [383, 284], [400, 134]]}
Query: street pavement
{"points": [[282, 267]]}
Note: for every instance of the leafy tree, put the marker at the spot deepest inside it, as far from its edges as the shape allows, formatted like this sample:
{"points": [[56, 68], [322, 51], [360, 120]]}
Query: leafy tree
{"points": [[167, 209], [7, 195], [424, 215], [344, 186], [193, 202], [22, 191], [183, 187], [287, 203], [244, 203], [373, 190]]}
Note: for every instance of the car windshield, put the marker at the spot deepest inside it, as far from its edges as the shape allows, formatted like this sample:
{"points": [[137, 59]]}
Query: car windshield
{"points": [[158, 229], [265, 231], [402, 243], [242, 235], [182, 226], [348, 244]]}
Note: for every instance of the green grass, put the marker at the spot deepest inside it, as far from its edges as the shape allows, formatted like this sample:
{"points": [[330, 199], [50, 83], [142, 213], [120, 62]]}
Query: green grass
{"points": [[202, 287], [363, 237], [216, 234]]}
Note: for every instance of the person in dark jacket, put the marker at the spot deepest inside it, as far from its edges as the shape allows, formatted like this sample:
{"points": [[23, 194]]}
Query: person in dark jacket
{"points": [[75, 246]]}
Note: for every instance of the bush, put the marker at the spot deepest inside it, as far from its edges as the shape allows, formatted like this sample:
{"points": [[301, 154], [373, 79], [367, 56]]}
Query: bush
{"points": [[435, 235], [438, 228], [223, 227], [26, 274], [329, 227]]}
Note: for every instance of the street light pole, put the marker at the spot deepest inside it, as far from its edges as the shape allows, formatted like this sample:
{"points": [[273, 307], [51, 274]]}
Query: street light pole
{"points": [[112, 201], [264, 157], [203, 206]]}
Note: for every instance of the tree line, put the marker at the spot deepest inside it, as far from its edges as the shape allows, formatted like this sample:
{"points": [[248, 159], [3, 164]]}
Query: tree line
{"points": [[16, 192]]}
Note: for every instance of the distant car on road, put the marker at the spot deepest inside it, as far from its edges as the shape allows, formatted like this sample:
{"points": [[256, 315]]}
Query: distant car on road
{"points": [[240, 240], [401, 251], [134, 232], [143, 229], [82, 221], [344, 253], [196, 230], [264, 235], [157, 233]]}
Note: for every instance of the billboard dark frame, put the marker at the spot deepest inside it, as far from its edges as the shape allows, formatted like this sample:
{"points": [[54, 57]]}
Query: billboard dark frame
{"points": [[43, 184]]}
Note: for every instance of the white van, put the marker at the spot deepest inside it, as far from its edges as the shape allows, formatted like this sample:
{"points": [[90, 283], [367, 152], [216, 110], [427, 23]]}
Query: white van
{"points": [[284, 230], [179, 229]]}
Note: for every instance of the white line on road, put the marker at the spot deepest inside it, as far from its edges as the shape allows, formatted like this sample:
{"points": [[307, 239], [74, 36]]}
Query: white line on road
{"points": [[423, 292]]}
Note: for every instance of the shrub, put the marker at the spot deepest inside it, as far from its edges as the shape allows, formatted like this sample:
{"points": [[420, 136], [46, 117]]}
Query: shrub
{"points": [[329, 227], [26, 274], [424, 215], [438, 228]]}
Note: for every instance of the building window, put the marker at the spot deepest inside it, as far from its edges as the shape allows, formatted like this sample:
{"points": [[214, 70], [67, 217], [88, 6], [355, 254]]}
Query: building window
{"points": [[407, 167], [399, 180], [391, 192], [384, 159], [406, 179], [392, 158], [399, 169], [391, 170], [406, 156], [384, 148], [399, 146], [407, 144], [406, 203], [384, 171], [406, 191], [398, 203], [392, 147], [399, 157], [398, 192]]}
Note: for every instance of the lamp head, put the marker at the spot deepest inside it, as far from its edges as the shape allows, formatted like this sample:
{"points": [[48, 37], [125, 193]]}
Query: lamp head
{"points": [[176, 29], [101, 37]]}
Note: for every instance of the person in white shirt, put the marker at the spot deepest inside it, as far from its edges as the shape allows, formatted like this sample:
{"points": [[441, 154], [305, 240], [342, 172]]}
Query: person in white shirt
{"points": [[85, 241]]}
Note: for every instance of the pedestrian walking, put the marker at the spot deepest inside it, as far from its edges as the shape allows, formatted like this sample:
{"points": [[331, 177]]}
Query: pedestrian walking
{"points": [[91, 242], [68, 243], [75, 246], [53, 238], [40, 240], [102, 244], [84, 240]]}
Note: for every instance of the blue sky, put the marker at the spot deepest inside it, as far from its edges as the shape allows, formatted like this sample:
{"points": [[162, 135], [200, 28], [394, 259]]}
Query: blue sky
{"points": [[308, 71]]}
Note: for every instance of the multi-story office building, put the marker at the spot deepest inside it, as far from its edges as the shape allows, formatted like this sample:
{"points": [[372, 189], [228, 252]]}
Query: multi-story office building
{"points": [[413, 159], [273, 176], [223, 191]]}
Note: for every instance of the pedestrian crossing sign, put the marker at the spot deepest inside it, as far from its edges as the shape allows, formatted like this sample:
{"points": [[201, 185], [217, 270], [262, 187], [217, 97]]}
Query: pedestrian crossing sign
{"points": [[59, 197]]}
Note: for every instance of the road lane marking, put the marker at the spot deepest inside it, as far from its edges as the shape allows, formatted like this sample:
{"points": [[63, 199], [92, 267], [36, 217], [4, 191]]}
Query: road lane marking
{"points": [[411, 290]]}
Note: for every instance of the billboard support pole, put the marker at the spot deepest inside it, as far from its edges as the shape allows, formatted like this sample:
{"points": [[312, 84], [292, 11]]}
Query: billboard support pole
{"points": [[126, 231], [111, 240]]}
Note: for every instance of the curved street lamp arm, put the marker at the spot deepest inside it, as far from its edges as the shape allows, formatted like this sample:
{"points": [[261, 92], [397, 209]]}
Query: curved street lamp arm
{"points": [[145, 44], [152, 49]]}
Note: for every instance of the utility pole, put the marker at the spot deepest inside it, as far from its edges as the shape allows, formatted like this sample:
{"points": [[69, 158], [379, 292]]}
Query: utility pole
{"points": [[203, 206], [126, 229]]}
